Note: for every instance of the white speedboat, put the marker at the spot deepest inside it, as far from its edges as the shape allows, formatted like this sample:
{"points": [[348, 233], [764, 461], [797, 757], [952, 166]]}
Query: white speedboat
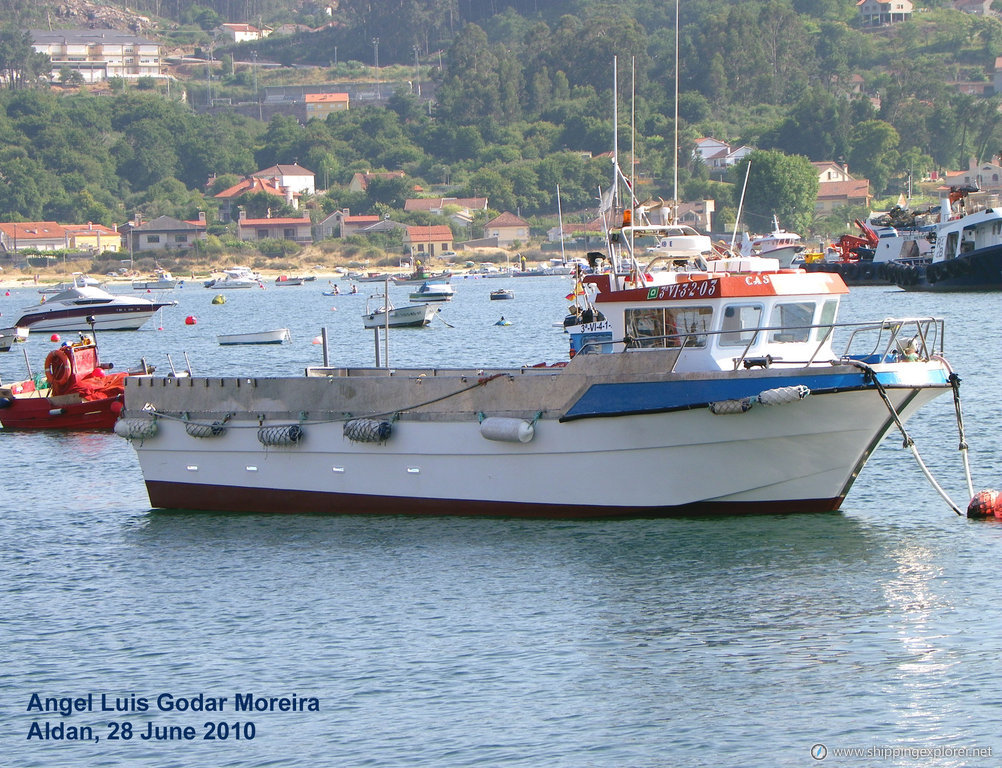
{"points": [[161, 280], [433, 291], [85, 308], [235, 277]]}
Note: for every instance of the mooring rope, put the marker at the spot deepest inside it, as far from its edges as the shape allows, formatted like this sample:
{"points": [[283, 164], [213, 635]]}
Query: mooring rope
{"points": [[955, 384], [871, 375]]}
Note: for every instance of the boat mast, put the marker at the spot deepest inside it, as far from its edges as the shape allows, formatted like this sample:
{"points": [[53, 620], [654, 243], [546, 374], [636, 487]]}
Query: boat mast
{"points": [[674, 202]]}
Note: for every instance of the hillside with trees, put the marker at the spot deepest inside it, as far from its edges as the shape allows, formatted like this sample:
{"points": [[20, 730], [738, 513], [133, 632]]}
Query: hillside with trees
{"points": [[523, 102]]}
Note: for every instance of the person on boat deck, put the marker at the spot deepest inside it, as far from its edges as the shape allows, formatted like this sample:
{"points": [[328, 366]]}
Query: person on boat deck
{"points": [[911, 354]]}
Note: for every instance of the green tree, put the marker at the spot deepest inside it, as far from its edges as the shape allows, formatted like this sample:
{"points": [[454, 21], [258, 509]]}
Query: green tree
{"points": [[20, 65], [873, 152], [779, 185]]}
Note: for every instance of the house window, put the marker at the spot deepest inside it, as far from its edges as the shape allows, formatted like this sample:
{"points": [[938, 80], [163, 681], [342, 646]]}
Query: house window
{"points": [[153, 238], [262, 234], [289, 233], [180, 238]]}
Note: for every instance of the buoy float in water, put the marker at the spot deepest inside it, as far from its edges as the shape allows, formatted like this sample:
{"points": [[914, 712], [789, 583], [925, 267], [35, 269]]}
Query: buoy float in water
{"points": [[54, 337], [987, 503], [219, 299], [190, 320], [318, 339]]}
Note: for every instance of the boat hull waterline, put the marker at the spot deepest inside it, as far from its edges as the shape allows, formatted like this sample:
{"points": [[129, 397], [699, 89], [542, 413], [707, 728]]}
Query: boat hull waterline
{"points": [[799, 457]]}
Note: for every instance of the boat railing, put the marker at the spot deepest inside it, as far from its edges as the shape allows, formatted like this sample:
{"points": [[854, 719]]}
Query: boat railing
{"points": [[886, 340]]}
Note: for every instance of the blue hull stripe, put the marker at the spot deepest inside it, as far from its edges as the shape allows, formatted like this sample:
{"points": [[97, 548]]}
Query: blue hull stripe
{"points": [[660, 396]]}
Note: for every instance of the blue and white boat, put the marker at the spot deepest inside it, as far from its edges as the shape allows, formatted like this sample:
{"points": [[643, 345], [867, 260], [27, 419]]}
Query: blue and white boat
{"points": [[731, 388], [967, 247]]}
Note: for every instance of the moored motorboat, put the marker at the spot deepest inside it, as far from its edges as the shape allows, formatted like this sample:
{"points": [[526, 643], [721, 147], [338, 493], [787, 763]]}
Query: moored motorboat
{"points": [[75, 392], [236, 277], [718, 387], [779, 244], [433, 291], [11, 336], [285, 280], [719, 384], [273, 336], [161, 280], [86, 308], [502, 294], [967, 248], [410, 316]]}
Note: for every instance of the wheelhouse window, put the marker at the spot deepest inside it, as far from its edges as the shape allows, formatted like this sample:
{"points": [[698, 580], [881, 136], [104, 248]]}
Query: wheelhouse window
{"points": [[658, 328], [828, 312], [795, 319], [740, 324]]}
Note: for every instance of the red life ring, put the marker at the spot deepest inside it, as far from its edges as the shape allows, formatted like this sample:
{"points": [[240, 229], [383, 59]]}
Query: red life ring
{"points": [[59, 366]]}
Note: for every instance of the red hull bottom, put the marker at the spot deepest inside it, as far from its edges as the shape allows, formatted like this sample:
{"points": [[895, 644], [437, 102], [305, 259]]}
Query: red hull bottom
{"points": [[37, 413], [219, 498]]}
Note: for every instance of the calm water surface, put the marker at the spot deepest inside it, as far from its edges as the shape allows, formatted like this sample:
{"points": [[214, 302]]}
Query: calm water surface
{"points": [[462, 642]]}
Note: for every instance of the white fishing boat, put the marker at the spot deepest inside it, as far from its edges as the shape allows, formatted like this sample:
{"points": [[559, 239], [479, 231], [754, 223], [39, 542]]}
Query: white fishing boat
{"points": [[274, 336], [410, 316], [84, 308], [718, 385], [967, 247], [433, 291]]}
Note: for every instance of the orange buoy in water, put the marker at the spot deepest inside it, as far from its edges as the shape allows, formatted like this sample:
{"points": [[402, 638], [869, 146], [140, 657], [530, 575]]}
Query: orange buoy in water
{"points": [[190, 320], [987, 503]]}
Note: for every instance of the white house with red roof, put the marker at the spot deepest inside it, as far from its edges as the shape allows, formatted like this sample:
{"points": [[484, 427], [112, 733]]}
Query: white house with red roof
{"points": [[250, 185], [986, 176], [301, 181], [718, 156], [241, 33], [32, 235]]}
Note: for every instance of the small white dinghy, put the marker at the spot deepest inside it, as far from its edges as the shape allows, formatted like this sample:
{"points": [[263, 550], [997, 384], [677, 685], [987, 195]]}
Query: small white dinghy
{"points": [[276, 336]]}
